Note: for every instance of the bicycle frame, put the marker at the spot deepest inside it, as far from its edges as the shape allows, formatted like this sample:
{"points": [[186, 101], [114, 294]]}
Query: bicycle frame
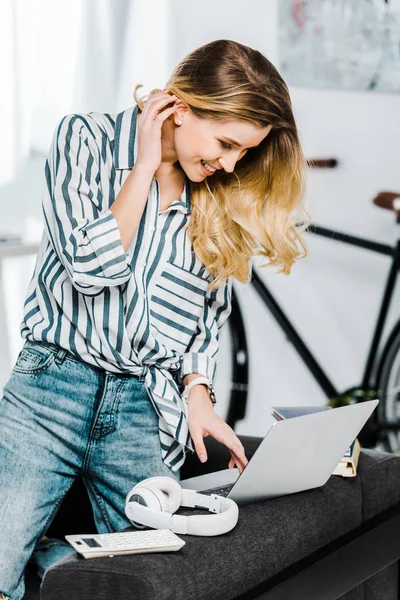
{"points": [[239, 347]]}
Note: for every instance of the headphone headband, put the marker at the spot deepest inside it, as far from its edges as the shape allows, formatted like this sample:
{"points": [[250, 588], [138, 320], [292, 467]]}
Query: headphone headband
{"points": [[192, 499]]}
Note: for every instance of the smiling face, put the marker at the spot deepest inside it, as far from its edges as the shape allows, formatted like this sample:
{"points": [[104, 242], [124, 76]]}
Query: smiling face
{"points": [[219, 143]]}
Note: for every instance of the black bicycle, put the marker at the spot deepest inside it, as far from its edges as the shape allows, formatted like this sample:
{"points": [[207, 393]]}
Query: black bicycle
{"points": [[381, 377]]}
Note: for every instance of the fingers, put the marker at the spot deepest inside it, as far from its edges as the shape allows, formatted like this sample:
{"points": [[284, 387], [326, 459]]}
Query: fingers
{"points": [[238, 462], [165, 114], [225, 435], [158, 116], [155, 102], [200, 448], [150, 129], [238, 456]]}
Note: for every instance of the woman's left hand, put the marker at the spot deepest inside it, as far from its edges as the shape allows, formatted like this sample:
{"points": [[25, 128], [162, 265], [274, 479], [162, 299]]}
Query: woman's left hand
{"points": [[204, 421]]}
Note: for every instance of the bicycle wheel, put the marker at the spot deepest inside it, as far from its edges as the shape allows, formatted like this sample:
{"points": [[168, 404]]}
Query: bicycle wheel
{"points": [[389, 386]]}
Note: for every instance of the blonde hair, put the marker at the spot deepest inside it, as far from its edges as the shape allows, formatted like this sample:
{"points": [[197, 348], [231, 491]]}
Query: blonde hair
{"points": [[258, 209]]}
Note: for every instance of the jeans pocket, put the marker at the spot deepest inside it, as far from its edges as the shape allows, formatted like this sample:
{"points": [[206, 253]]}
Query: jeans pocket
{"points": [[34, 358]]}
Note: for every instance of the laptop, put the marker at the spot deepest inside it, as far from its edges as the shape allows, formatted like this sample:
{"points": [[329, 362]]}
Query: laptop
{"points": [[296, 454]]}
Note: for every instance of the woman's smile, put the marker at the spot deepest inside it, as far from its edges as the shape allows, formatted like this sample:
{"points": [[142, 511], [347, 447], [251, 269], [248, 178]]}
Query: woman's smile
{"points": [[206, 171]]}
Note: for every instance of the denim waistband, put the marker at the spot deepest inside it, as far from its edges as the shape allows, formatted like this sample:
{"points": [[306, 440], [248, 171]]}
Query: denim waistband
{"points": [[62, 353]]}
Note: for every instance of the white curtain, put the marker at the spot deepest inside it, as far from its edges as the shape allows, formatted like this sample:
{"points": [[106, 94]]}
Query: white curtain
{"points": [[38, 57], [59, 57], [64, 56], [148, 48]]}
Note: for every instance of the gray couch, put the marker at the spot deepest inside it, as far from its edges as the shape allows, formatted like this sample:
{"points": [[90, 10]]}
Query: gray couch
{"points": [[338, 541]]}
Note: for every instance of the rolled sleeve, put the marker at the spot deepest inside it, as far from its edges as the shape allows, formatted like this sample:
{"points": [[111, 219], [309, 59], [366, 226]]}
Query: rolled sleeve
{"points": [[101, 258], [202, 351], [82, 229]]}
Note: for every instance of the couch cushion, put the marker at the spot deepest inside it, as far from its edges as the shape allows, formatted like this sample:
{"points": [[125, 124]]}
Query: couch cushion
{"points": [[270, 536]]}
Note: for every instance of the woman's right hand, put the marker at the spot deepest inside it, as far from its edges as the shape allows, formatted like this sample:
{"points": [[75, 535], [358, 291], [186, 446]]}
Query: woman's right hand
{"points": [[149, 124]]}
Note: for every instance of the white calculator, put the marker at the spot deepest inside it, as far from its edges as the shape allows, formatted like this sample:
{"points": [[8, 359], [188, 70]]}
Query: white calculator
{"points": [[125, 542]]}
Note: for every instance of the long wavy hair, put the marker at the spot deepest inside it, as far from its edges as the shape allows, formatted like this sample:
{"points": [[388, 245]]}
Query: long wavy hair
{"points": [[258, 209]]}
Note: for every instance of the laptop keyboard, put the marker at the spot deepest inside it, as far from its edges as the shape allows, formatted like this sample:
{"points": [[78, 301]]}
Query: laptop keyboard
{"points": [[221, 491]]}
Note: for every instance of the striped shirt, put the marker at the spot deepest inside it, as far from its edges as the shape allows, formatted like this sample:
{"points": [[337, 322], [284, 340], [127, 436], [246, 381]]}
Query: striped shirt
{"points": [[146, 312]]}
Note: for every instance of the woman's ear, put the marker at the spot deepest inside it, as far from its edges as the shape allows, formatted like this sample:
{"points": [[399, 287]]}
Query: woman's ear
{"points": [[182, 106]]}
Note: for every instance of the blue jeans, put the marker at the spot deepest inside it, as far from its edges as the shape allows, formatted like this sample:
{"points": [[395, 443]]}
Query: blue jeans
{"points": [[60, 418], [47, 552]]}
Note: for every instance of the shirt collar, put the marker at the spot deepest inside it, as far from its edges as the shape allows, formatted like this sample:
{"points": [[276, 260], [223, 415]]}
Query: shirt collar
{"points": [[126, 148]]}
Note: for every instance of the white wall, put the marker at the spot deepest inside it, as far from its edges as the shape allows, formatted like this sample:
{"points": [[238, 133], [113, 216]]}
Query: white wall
{"points": [[333, 295]]}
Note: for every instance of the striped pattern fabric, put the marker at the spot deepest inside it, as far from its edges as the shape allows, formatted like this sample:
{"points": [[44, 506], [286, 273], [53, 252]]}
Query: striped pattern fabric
{"points": [[146, 312]]}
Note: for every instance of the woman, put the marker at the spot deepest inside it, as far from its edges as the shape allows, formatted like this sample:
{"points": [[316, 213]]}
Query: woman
{"points": [[149, 215]]}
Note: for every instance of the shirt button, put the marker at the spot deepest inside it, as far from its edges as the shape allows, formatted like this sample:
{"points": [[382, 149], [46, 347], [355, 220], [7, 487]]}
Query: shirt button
{"points": [[142, 295], [143, 263], [151, 229]]}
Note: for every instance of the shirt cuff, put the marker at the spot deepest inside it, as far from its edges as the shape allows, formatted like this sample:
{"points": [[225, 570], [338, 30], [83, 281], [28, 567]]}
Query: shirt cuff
{"points": [[197, 362]]}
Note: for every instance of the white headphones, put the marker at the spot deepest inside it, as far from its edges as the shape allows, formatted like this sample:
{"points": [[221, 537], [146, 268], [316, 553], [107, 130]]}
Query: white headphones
{"points": [[153, 501]]}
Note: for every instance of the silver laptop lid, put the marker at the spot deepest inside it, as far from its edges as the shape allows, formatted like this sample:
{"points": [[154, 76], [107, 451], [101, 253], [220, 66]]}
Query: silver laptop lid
{"points": [[300, 453]]}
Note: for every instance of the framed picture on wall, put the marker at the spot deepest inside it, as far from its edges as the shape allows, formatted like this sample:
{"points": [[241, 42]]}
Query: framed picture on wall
{"points": [[340, 44]]}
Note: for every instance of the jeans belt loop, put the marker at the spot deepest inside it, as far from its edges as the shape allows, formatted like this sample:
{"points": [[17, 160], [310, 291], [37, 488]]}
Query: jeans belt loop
{"points": [[60, 356]]}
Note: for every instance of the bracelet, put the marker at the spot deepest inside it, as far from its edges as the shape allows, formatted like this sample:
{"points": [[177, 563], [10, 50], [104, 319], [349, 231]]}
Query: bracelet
{"points": [[197, 381]]}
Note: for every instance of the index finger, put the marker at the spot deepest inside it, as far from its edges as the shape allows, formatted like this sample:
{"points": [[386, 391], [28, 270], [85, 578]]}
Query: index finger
{"points": [[154, 101], [239, 461], [229, 438]]}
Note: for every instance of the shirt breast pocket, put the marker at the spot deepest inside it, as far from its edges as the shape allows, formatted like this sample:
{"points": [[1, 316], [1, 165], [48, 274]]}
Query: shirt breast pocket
{"points": [[176, 305]]}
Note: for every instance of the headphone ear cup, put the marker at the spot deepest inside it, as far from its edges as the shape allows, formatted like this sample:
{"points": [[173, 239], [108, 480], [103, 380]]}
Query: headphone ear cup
{"points": [[166, 496], [167, 485], [153, 499], [162, 499], [174, 497]]}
